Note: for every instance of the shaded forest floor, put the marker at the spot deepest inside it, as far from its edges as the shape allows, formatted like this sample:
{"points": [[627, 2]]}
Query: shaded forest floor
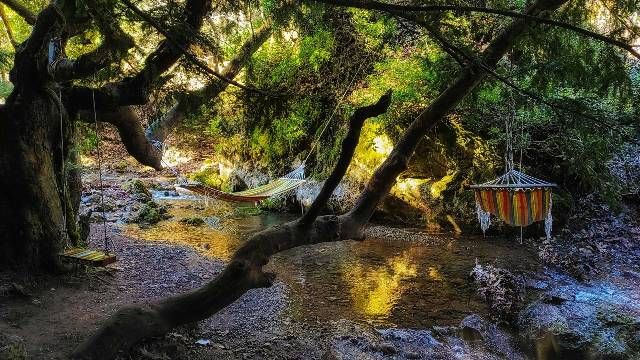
{"points": [[53, 314], [598, 314], [581, 296]]}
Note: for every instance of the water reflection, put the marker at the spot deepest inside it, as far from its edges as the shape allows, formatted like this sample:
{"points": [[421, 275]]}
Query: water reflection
{"points": [[392, 282], [219, 242], [381, 281], [376, 289]]}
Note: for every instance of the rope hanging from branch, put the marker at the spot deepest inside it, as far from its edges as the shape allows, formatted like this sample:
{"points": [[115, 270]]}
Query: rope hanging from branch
{"points": [[77, 254], [516, 198]]}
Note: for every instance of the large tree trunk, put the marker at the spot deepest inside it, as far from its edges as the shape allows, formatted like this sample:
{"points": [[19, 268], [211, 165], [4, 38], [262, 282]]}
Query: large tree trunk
{"points": [[35, 193], [39, 192]]}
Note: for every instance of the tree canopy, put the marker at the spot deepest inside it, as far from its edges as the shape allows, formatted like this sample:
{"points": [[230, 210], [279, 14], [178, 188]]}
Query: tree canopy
{"points": [[261, 79]]}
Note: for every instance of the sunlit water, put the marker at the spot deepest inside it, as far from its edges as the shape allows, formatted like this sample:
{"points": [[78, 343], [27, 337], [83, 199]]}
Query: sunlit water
{"points": [[380, 281]]}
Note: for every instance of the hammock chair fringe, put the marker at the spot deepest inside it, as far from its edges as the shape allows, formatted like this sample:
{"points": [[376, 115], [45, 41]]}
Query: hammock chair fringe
{"points": [[515, 198]]}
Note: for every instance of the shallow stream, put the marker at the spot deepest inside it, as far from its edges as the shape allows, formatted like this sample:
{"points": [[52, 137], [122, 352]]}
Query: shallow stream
{"points": [[386, 281]]}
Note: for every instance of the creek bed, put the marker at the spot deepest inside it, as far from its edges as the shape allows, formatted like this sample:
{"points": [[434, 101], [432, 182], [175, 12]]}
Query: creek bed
{"points": [[410, 280]]}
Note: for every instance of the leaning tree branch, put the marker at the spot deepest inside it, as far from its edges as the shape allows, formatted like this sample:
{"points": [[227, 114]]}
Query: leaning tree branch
{"points": [[131, 133], [386, 7], [134, 323], [21, 10], [191, 101], [349, 144], [110, 107], [107, 97], [7, 27], [187, 54], [166, 54], [115, 46]]}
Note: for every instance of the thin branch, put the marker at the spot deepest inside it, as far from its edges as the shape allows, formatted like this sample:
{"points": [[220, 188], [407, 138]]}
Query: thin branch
{"points": [[7, 27], [393, 8], [162, 58], [349, 144], [478, 62], [189, 102], [21, 10], [188, 55]]}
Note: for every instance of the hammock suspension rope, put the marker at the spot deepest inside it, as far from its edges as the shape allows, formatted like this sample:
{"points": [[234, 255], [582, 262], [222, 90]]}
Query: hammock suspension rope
{"points": [[516, 198]]}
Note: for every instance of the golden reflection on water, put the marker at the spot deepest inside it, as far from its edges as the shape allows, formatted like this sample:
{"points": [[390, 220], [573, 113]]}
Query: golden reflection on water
{"points": [[382, 281], [210, 242], [375, 291], [219, 244], [434, 274]]}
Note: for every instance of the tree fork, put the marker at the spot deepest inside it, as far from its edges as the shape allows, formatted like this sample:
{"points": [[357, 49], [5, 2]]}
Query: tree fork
{"points": [[134, 323]]}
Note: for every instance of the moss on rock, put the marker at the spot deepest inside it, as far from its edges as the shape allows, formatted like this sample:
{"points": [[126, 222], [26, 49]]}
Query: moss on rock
{"points": [[192, 221], [151, 213]]}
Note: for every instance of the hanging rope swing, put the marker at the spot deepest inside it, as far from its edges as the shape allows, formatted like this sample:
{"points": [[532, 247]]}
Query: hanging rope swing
{"points": [[79, 255], [516, 198]]}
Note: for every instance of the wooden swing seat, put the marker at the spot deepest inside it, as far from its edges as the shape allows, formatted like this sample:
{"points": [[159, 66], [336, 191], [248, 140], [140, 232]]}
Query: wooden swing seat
{"points": [[88, 257]]}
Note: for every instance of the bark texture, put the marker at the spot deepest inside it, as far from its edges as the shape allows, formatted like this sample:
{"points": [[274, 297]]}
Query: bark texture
{"points": [[39, 180], [33, 199]]}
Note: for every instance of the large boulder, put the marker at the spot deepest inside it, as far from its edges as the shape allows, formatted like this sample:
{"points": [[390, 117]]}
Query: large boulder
{"points": [[576, 320]]}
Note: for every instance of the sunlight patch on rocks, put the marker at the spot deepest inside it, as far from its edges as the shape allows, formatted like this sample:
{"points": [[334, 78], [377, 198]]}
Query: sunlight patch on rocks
{"points": [[173, 157]]}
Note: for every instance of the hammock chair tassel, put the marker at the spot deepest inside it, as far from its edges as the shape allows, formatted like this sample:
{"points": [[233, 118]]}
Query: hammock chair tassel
{"points": [[548, 221], [515, 198], [484, 218]]}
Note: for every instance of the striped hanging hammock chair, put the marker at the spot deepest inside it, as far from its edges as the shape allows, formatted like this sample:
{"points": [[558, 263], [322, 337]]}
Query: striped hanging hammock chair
{"points": [[516, 198]]}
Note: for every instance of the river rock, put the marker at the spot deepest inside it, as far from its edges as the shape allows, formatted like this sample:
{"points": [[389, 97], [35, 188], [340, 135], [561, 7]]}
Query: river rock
{"points": [[12, 347], [138, 191], [597, 320], [474, 328], [150, 213], [192, 221]]}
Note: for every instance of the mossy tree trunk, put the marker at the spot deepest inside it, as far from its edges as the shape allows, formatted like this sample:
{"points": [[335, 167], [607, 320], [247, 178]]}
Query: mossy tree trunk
{"points": [[39, 181], [36, 194]]}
